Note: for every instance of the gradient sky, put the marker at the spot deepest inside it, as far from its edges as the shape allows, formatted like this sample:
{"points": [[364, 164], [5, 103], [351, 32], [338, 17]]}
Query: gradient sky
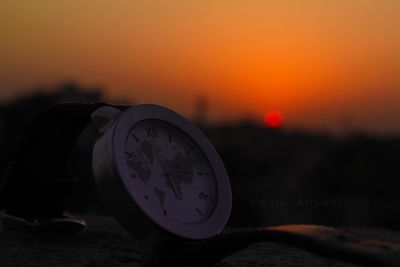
{"points": [[324, 64]]}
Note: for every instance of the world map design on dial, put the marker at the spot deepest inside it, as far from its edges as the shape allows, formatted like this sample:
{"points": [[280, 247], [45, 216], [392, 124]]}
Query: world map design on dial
{"points": [[171, 168]]}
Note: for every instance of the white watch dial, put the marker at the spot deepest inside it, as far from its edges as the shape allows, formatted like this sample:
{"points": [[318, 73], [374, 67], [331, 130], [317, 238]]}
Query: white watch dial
{"points": [[167, 165]]}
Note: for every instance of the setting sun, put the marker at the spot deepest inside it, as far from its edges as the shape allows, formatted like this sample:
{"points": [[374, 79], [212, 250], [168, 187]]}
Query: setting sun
{"points": [[273, 119]]}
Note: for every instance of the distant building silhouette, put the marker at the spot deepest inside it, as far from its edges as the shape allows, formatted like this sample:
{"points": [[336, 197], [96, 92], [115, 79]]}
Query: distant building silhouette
{"points": [[201, 109]]}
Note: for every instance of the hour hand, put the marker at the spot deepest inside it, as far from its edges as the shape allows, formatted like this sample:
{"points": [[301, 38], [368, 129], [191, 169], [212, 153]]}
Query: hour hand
{"points": [[166, 171]]}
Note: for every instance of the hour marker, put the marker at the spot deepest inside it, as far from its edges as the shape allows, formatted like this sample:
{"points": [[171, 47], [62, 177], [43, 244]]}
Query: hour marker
{"points": [[165, 213], [136, 138], [169, 138], [129, 154], [133, 175], [200, 173], [151, 132], [199, 211], [187, 152]]}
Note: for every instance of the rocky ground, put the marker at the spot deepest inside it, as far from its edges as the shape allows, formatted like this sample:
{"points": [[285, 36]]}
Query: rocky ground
{"points": [[105, 243]]}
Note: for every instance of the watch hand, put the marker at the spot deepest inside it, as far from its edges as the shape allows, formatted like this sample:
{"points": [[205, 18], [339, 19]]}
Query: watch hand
{"points": [[178, 195], [167, 174]]}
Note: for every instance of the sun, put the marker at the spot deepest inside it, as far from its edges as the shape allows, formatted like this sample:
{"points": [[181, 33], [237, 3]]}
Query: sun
{"points": [[273, 119]]}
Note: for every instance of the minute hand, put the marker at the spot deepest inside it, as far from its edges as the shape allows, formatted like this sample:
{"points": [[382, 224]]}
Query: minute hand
{"points": [[177, 193]]}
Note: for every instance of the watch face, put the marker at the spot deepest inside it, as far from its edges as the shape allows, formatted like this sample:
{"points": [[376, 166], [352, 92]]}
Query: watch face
{"points": [[155, 169], [167, 165]]}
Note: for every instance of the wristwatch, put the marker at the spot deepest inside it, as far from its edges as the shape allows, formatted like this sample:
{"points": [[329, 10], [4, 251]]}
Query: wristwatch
{"points": [[160, 177], [156, 172]]}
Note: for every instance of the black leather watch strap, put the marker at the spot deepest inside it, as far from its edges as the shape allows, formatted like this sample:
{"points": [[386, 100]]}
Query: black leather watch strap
{"points": [[37, 178]]}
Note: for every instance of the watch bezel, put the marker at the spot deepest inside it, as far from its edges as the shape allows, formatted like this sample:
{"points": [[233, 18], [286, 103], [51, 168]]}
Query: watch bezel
{"points": [[211, 226]]}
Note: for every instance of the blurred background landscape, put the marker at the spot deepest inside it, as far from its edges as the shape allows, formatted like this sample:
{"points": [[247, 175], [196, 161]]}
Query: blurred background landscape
{"points": [[328, 71], [278, 175]]}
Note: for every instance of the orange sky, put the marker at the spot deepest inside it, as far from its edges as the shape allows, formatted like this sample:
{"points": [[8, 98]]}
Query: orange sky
{"points": [[324, 64]]}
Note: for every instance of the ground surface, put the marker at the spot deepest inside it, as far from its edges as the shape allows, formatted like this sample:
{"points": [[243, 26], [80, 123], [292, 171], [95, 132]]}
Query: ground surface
{"points": [[105, 243]]}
